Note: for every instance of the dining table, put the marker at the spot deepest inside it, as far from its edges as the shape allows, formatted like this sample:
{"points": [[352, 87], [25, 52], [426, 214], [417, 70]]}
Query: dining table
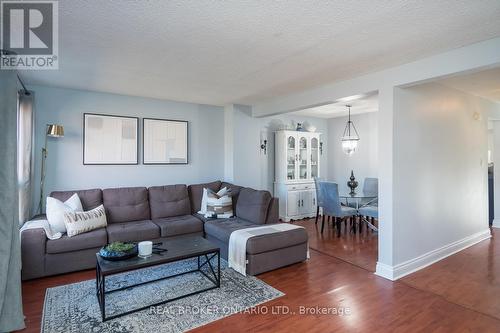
{"points": [[360, 199]]}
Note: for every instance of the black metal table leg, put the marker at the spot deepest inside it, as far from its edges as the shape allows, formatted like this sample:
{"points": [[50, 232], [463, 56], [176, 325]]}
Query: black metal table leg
{"points": [[100, 286], [103, 297], [218, 269], [97, 279]]}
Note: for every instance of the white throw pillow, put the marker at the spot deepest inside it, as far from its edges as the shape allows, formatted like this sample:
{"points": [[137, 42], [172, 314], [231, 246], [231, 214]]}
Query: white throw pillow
{"points": [[56, 208], [203, 206], [220, 207], [80, 222]]}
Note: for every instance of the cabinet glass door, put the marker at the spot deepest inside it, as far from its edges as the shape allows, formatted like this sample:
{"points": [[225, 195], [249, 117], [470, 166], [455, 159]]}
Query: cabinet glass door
{"points": [[314, 157], [303, 157], [291, 158]]}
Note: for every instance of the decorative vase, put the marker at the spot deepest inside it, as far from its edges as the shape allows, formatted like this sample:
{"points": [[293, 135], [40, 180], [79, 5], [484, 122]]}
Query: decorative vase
{"points": [[352, 183], [308, 127]]}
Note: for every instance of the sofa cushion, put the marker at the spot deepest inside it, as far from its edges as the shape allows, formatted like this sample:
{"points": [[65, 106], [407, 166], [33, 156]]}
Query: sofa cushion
{"points": [[277, 240], [170, 200], [196, 193], [253, 205], [234, 191], [87, 240], [222, 229], [126, 204], [205, 219], [178, 225], [90, 198], [273, 211], [133, 231]]}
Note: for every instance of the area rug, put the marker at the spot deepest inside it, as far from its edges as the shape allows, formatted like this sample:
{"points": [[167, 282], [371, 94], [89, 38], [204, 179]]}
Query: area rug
{"points": [[74, 307]]}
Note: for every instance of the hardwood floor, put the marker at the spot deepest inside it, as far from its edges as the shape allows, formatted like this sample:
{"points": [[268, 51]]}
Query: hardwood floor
{"points": [[376, 304], [470, 278], [360, 249], [458, 294], [34, 295]]}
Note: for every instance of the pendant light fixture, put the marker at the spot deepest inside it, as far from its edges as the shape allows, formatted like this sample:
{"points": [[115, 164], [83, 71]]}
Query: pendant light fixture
{"points": [[350, 138]]}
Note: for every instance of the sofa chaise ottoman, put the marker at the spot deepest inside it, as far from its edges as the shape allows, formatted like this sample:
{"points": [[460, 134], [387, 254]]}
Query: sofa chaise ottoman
{"points": [[264, 251]]}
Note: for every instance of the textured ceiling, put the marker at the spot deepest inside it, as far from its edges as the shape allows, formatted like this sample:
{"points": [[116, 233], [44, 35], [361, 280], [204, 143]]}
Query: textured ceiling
{"points": [[484, 84], [359, 104], [219, 52]]}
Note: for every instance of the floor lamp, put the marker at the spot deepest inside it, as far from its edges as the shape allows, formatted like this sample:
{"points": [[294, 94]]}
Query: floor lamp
{"points": [[53, 131]]}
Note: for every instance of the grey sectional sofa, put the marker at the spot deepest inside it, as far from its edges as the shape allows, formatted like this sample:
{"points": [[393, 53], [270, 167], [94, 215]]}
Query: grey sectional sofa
{"points": [[140, 213]]}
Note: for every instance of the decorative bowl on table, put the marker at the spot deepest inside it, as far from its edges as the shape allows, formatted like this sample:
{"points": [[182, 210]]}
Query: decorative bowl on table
{"points": [[118, 251]]}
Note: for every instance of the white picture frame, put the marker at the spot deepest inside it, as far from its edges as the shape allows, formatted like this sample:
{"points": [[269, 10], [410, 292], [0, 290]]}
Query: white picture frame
{"points": [[165, 141], [110, 140]]}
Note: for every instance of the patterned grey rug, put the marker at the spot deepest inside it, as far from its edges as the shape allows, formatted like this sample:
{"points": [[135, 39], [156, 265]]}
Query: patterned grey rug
{"points": [[74, 307]]}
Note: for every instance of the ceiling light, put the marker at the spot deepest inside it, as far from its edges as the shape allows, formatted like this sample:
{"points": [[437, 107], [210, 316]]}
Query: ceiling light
{"points": [[350, 98], [350, 138]]}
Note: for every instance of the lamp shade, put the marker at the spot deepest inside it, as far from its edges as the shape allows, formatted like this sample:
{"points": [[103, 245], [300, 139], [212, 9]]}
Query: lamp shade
{"points": [[349, 145], [55, 131], [351, 137]]}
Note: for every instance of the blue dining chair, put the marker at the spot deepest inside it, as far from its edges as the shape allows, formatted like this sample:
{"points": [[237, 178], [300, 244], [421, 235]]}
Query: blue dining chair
{"points": [[370, 185], [369, 211], [319, 196], [332, 206], [370, 188]]}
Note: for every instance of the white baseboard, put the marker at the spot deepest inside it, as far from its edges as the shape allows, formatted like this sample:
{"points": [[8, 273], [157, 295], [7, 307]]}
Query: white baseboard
{"points": [[496, 223], [385, 271], [398, 271]]}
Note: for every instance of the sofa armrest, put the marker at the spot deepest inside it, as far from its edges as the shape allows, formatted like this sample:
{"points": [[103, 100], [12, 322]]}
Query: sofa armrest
{"points": [[273, 211], [33, 242]]}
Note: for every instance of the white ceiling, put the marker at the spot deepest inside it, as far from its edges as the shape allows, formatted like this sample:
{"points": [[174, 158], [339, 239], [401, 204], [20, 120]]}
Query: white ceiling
{"points": [[359, 104], [484, 84], [219, 52]]}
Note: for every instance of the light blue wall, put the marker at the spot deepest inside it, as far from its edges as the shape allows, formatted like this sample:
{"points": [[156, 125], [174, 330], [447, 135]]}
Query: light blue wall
{"points": [[65, 169], [253, 168]]}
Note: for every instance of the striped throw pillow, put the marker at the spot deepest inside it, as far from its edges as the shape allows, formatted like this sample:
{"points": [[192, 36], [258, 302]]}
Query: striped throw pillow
{"points": [[219, 206], [79, 222]]}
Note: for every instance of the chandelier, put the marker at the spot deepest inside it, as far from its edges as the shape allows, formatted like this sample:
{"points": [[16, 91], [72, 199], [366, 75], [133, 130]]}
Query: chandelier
{"points": [[351, 137]]}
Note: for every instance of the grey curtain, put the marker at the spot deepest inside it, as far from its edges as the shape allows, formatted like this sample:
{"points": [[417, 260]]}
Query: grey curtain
{"points": [[11, 313], [25, 155]]}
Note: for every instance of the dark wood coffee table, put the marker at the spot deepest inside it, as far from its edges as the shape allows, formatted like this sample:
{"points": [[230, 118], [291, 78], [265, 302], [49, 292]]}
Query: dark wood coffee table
{"points": [[177, 249]]}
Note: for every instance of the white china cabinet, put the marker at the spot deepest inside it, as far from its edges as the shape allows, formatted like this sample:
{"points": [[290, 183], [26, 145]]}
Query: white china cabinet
{"points": [[297, 162]]}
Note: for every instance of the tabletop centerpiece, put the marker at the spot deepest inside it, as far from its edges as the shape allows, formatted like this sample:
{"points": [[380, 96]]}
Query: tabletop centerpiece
{"points": [[352, 183]]}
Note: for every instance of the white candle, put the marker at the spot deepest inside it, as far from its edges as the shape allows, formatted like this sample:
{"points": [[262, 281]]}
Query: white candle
{"points": [[145, 248]]}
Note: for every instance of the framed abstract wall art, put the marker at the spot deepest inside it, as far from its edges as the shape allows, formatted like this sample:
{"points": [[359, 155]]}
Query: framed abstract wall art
{"points": [[110, 140], [165, 141]]}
